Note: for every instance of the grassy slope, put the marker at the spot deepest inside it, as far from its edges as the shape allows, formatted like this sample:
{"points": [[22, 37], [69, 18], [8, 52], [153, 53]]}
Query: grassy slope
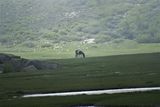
{"points": [[139, 70], [131, 99], [91, 50]]}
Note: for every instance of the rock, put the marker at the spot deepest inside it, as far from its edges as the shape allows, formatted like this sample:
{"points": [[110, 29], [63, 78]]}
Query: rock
{"points": [[1, 72], [7, 57], [4, 58], [12, 63], [1, 66], [43, 65], [30, 68], [16, 64], [49, 66]]}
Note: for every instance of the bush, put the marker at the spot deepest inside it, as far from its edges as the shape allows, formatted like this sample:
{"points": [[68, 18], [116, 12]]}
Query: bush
{"points": [[46, 45], [29, 44], [91, 30], [148, 39], [102, 39], [118, 41], [6, 40], [63, 32]]}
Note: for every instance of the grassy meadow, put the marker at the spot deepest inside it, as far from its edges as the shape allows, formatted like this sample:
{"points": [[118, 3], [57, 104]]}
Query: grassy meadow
{"points": [[66, 50], [106, 67]]}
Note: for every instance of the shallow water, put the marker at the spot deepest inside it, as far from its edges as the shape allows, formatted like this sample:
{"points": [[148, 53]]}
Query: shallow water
{"points": [[96, 92]]}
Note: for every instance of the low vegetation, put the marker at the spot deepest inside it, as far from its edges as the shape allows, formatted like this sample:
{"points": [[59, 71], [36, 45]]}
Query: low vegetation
{"points": [[54, 21]]}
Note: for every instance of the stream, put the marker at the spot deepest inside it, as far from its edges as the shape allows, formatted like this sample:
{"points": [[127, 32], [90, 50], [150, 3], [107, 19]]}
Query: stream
{"points": [[96, 92]]}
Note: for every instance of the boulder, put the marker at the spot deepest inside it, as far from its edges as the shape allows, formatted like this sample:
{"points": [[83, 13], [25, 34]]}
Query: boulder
{"points": [[7, 57], [30, 68], [4, 58], [43, 65], [12, 63]]}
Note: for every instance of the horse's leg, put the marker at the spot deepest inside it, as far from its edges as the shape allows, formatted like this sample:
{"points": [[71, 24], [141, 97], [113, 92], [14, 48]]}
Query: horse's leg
{"points": [[76, 55], [83, 55]]}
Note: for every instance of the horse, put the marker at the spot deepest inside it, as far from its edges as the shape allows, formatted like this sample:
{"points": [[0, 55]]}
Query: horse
{"points": [[79, 53]]}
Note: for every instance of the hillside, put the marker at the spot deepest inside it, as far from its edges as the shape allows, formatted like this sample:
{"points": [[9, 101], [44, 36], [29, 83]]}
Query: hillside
{"points": [[31, 22]]}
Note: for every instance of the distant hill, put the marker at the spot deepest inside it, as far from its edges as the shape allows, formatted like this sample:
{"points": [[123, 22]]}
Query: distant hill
{"points": [[32, 21]]}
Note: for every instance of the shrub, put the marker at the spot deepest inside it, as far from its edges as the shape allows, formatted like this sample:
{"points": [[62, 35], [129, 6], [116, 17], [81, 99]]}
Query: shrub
{"points": [[91, 30], [29, 44], [102, 39], [46, 45], [148, 39], [118, 41]]}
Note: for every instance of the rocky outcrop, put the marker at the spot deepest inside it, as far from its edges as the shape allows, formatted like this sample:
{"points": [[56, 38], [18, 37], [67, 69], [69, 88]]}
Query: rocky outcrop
{"points": [[30, 68], [12, 63], [42, 65]]}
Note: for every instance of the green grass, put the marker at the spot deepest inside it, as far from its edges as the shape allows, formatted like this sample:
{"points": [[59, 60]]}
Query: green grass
{"points": [[91, 50], [108, 70], [147, 99], [137, 70]]}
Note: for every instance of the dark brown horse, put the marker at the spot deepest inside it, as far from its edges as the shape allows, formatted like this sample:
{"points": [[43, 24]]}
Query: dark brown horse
{"points": [[79, 53]]}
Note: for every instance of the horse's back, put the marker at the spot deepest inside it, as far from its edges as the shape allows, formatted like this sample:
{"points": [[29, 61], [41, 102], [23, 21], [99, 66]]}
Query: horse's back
{"points": [[79, 52]]}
